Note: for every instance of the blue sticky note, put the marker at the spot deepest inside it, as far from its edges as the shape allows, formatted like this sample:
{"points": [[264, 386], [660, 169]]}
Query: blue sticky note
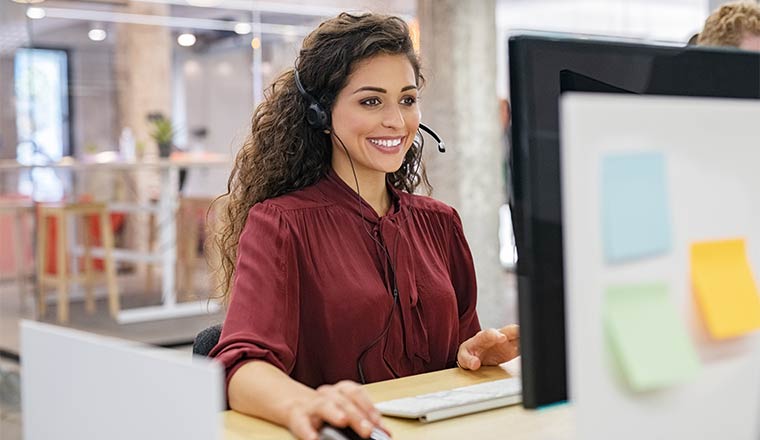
{"points": [[635, 213]]}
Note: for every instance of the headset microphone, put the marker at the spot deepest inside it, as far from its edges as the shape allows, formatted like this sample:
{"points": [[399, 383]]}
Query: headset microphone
{"points": [[434, 135]]}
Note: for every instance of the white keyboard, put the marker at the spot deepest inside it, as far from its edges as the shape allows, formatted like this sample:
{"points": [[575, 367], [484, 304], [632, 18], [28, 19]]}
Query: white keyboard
{"points": [[455, 402]]}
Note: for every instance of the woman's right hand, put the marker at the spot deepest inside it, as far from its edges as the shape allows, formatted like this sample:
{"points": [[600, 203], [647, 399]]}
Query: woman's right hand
{"points": [[343, 404]]}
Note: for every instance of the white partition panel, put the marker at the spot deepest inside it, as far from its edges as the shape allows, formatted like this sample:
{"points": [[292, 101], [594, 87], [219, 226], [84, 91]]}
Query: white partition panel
{"points": [[82, 386]]}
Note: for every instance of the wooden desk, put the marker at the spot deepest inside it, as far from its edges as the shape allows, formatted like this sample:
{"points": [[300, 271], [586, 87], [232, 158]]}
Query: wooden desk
{"points": [[553, 423]]}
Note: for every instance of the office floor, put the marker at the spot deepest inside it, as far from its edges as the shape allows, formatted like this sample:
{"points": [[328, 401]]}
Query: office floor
{"points": [[10, 410]]}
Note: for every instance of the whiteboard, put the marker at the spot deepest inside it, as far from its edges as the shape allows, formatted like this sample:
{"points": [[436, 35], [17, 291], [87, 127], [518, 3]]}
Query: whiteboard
{"points": [[712, 154]]}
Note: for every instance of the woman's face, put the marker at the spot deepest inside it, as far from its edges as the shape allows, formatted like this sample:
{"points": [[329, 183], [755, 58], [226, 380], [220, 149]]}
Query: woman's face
{"points": [[376, 116]]}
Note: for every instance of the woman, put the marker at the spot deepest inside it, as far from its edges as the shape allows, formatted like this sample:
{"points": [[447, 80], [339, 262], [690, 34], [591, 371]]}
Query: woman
{"points": [[337, 273]]}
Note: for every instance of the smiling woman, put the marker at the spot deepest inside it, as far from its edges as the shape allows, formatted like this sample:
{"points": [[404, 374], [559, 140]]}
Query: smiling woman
{"points": [[377, 115], [335, 272]]}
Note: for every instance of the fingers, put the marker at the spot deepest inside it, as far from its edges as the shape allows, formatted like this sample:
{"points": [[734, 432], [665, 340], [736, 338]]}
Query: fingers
{"points": [[360, 398], [490, 347], [356, 417], [513, 350], [469, 355], [341, 405], [511, 331], [487, 338], [513, 336], [307, 417], [302, 425], [468, 361]]}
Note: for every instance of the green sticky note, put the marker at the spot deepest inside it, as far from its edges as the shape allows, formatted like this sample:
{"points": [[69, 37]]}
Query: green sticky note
{"points": [[647, 336]]}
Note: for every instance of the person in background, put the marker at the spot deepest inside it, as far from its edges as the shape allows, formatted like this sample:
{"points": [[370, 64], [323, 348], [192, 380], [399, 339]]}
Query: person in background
{"points": [[733, 25], [334, 270]]}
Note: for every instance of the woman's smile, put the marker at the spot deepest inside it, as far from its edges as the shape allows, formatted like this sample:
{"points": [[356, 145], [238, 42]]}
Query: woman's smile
{"points": [[386, 144]]}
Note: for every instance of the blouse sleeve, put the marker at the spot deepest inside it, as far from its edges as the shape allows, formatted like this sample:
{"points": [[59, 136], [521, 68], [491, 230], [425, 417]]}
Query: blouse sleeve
{"points": [[463, 279], [263, 314]]}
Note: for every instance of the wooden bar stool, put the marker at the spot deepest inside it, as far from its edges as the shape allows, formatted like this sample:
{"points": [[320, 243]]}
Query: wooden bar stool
{"points": [[63, 213]]}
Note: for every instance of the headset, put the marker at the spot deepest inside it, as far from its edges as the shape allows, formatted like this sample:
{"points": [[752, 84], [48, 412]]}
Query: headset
{"points": [[319, 118], [316, 116]]}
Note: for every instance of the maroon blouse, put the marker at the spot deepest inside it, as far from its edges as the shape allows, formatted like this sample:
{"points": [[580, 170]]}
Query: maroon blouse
{"points": [[312, 289]]}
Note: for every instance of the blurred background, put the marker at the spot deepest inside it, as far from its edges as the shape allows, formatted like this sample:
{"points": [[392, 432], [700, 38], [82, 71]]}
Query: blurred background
{"points": [[120, 119]]}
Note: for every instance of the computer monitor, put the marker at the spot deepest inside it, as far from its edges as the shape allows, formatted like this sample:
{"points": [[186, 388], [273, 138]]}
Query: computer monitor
{"points": [[78, 385], [541, 68]]}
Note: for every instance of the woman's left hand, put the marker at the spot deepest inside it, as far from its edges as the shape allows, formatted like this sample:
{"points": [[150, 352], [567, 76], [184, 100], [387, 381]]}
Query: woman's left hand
{"points": [[490, 347]]}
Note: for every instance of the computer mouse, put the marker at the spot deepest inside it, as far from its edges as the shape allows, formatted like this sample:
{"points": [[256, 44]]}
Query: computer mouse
{"points": [[329, 432]]}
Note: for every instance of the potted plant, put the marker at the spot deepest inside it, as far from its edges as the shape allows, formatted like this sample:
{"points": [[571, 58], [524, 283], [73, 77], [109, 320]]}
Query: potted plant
{"points": [[162, 131]]}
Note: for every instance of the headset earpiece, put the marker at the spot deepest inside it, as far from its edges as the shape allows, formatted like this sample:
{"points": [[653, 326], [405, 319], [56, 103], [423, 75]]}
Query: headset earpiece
{"points": [[316, 116]]}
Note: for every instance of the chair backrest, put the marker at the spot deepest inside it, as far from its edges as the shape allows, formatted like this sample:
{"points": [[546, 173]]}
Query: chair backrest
{"points": [[207, 339]]}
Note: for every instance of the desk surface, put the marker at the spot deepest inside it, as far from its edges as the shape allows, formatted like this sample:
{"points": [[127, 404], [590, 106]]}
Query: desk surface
{"points": [[553, 423]]}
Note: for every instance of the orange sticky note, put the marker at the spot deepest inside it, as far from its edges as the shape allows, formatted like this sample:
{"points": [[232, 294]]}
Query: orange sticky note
{"points": [[725, 288]]}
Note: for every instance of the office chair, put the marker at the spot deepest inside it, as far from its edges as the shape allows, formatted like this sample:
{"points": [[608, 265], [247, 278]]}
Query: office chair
{"points": [[207, 339]]}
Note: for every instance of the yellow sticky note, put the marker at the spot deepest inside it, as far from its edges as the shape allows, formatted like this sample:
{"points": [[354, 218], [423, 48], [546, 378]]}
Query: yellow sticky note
{"points": [[725, 288]]}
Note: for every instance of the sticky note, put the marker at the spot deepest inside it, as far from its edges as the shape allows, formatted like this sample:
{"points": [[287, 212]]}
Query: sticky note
{"points": [[647, 336], [635, 213], [724, 288]]}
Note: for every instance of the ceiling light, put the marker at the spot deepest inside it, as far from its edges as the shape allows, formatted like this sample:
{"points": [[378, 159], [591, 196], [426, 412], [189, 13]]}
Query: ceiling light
{"points": [[186, 40], [243, 28], [35, 13], [256, 43], [97, 34], [28, 2]]}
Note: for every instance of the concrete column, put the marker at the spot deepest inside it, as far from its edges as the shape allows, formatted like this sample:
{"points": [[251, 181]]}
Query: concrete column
{"points": [[143, 68], [458, 48], [143, 72]]}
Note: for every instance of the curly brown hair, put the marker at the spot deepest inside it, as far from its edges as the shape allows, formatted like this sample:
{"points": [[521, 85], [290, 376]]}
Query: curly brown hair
{"points": [[730, 23], [283, 153]]}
